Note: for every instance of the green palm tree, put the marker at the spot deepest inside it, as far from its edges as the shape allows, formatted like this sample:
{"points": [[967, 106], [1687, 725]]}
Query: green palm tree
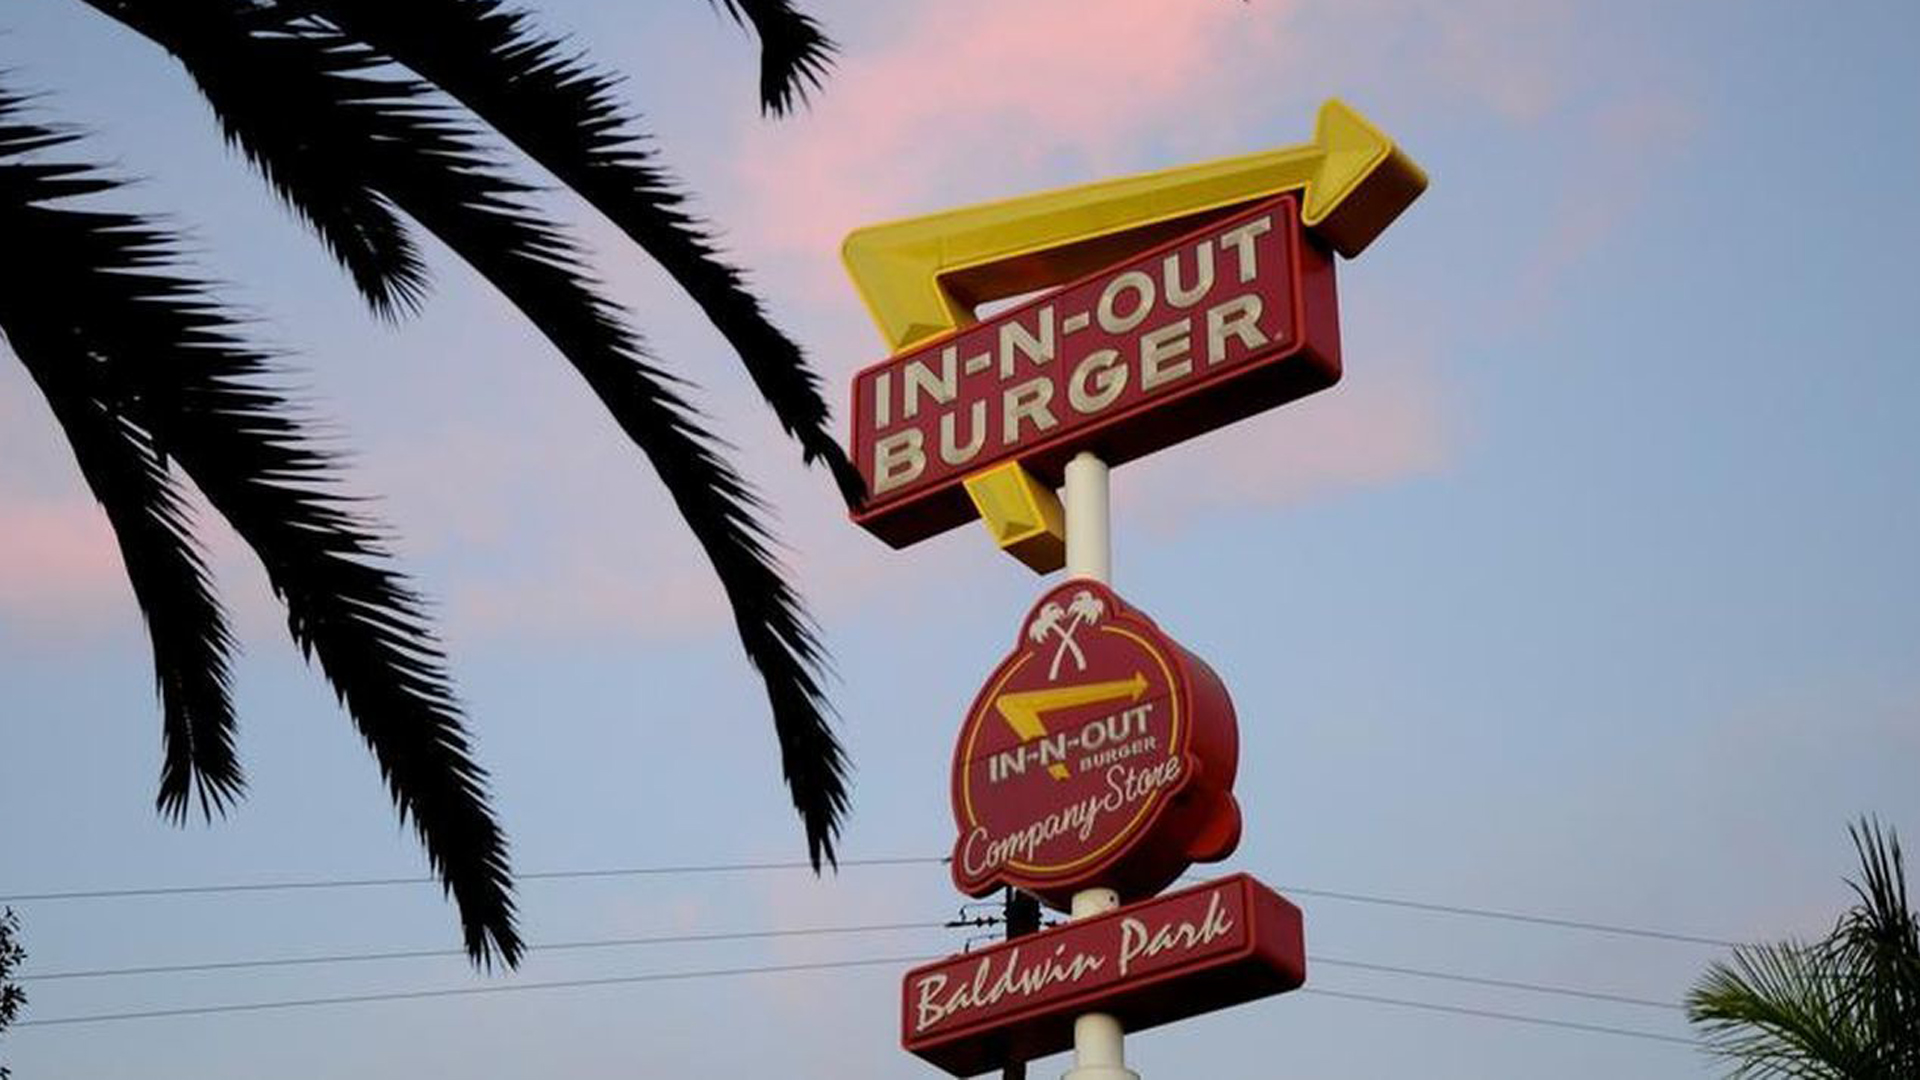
{"points": [[1846, 1007], [368, 118]]}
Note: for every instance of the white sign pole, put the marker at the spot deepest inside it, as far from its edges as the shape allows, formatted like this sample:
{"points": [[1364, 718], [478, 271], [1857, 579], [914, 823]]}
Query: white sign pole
{"points": [[1089, 520], [1099, 1052]]}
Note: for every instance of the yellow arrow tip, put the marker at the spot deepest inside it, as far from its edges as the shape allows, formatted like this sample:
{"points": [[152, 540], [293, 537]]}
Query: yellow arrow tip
{"points": [[1352, 148], [1356, 152]]}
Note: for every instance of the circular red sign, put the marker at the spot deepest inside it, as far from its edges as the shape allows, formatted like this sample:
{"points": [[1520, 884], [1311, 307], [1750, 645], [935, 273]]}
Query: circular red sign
{"points": [[1099, 752]]}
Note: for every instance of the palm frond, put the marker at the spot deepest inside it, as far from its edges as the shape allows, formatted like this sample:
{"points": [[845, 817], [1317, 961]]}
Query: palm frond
{"points": [[398, 142], [357, 227], [794, 53], [560, 112], [538, 270], [166, 361], [1878, 941], [1777, 1011], [185, 622], [12, 955]]}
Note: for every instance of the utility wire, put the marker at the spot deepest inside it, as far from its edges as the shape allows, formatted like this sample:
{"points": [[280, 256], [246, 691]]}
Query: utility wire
{"points": [[750, 935], [1514, 916], [904, 860], [462, 991], [421, 954], [1489, 1014], [362, 883], [669, 976], [1504, 984]]}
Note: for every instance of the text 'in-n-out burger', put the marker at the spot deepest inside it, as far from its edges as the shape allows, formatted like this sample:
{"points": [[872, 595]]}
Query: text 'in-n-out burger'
{"points": [[1235, 317]]}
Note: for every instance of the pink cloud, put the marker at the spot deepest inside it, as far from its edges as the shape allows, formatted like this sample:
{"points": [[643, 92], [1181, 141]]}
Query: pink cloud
{"points": [[58, 562], [623, 565], [961, 102], [1382, 425], [61, 571], [591, 590], [1507, 55], [1612, 185], [966, 94]]}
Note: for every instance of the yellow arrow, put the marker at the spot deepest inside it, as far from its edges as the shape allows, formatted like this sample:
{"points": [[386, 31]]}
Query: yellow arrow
{"points": [[923, 276], [1021, 710]]}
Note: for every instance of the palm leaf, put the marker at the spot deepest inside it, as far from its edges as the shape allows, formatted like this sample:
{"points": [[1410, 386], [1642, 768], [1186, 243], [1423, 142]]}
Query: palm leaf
{"points": [[356, 225], [396, 141], [794, 53], [565, 116], [12, 998], [1843, 1007], [1777, 1011], [1878, 940], [185, 623], [164, 359]]}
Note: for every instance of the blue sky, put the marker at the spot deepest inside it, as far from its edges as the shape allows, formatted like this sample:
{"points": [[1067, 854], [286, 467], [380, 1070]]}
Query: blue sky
{"points": [[1589, 592]]}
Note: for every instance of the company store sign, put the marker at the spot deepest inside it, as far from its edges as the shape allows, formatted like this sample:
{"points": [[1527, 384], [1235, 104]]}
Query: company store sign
{"points": [[1099, 750], [1223, 943]]}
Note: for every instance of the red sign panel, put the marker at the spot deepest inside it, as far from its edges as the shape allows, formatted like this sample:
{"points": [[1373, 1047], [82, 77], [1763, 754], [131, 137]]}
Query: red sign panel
{"points": [[1225, 322], [1223, 943], [1099, 752]]}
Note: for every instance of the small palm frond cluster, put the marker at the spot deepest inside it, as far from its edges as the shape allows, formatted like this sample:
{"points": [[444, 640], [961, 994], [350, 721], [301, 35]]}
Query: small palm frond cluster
{"points": [[793, 52], [1846, 1007], [12, 955], [369, 119]]}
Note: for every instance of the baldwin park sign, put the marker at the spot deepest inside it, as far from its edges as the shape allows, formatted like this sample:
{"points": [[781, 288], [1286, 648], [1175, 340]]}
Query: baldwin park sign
{"points": [[1175, 956]]}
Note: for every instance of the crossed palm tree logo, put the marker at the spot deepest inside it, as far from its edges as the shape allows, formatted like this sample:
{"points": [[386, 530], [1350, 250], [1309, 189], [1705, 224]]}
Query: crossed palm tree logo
{"points": [[1084, 609], [1022, 709]]}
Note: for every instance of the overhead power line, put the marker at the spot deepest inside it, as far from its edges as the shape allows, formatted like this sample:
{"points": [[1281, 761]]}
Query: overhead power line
{"points": [[1504, 984], [1513, 916], [423, 954], [1489, 1014], [364, 883], [770, 969], [463, 991], [904, 860], [815, 931]]}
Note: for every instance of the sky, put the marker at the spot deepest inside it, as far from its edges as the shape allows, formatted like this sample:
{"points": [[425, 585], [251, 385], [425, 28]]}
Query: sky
{"points": [[1589, 593]]}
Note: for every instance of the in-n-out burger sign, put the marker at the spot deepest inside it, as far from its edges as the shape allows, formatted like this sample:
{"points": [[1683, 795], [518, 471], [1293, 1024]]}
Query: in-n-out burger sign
{"points": [[1100, 754], [1230, 319], [1219, 944], [1099, 751]]}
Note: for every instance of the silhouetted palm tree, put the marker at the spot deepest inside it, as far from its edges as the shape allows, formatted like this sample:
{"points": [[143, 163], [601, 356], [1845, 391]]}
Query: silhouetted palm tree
{"points": [[1844, 1008], [12, 998], [367, 117]]}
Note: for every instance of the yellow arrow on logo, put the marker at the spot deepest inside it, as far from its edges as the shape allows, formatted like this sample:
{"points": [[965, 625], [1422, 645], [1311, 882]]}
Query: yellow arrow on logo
{"points": [[1021, 710], [924, 276]]}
